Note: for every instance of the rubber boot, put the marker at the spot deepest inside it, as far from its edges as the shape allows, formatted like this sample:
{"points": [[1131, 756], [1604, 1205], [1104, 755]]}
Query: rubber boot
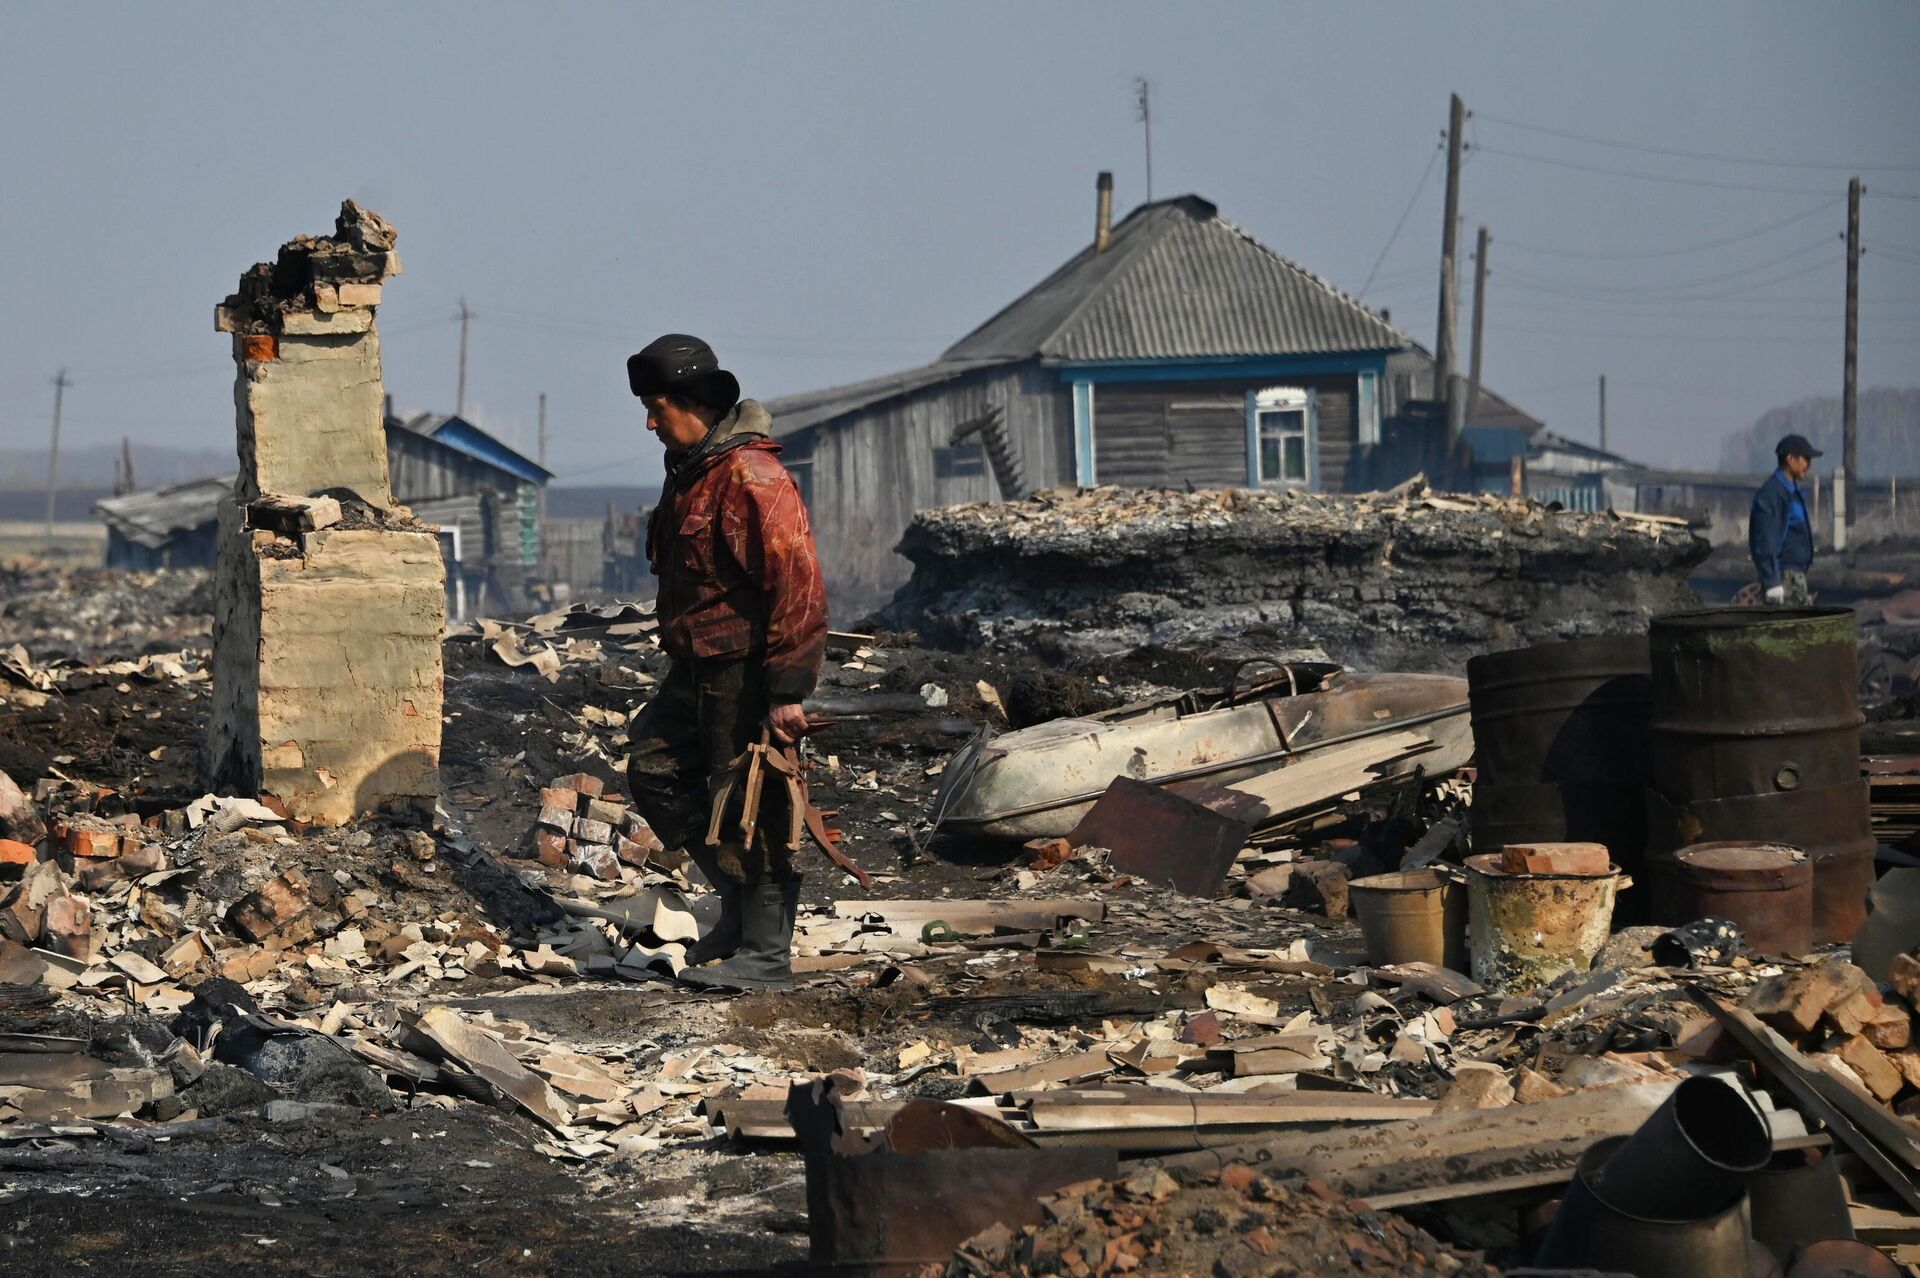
{"points": [[765, 957], [723, 938]]}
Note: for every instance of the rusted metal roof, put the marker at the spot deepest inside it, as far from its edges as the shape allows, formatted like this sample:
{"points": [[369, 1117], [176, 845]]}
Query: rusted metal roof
{"points": [[1179, 282]]}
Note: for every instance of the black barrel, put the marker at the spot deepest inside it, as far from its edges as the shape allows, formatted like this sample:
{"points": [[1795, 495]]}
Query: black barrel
{"points": [[1754, 701], [1564, 713], [1561, 743]]}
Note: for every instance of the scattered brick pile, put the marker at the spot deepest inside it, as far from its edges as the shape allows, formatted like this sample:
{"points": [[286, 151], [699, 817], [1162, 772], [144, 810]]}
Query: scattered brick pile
{"points": [[582, 830], [1238, 1224], [1836, 1012]]}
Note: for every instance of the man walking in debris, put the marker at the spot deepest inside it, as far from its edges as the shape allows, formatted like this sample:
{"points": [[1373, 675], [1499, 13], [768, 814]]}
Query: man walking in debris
{"points": [[1779, 534], [743, 615]]}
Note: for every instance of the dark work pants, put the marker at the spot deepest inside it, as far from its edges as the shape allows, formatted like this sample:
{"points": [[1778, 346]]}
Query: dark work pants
{"points": [[705, 716]]}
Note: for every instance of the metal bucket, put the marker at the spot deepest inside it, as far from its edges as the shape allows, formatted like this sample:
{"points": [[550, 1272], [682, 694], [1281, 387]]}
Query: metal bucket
{"points": [[1524, 930], [1754, 701], [1765, 889], [1414, 916], [1693, 1154], [1612, 814], [1575, 713], [1798, 1198], [1589, 1234], [1832, 824]]}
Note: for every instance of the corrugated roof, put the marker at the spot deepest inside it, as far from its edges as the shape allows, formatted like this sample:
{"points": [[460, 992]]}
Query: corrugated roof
{"points": [[793, 413], [1178, 281], [462, 436], [151, 519]]}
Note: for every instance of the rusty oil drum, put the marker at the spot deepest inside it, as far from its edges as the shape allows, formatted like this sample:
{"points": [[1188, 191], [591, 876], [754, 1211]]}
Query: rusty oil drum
{"points": [[1563, 713], [1561, 739], [1764, 889], [1833, 825], [1754, 701]]}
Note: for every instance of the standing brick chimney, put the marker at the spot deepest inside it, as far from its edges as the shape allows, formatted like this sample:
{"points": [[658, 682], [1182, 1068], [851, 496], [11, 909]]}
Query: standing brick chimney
{"points": [[1103, 213]]}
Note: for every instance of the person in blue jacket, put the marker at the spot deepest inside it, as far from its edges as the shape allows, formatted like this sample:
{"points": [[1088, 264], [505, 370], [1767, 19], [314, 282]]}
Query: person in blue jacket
{"points": [[1779, 534]]}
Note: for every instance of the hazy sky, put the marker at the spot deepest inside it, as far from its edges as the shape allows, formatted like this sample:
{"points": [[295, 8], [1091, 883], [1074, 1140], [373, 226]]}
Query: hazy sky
{"points": [[830, 191]]}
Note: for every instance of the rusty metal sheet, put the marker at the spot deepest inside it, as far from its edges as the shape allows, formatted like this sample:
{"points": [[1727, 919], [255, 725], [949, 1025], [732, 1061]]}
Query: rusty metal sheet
{"points": [[1163, 837], [890, 1214]]}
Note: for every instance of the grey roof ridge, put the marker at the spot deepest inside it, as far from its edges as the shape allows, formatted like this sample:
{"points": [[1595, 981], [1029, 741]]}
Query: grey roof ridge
{"points": [[1130, 250], [1143, 240], [1316, 279]]}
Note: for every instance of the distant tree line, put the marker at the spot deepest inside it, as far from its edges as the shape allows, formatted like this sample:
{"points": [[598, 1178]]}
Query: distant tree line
{"points": [[1889, 434]]}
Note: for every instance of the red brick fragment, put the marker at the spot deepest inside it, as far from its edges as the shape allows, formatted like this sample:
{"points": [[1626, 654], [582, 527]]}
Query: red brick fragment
{"points": [[68, 928], [1237, 1177], [260, 914], [15, 856], [1555, 858]]}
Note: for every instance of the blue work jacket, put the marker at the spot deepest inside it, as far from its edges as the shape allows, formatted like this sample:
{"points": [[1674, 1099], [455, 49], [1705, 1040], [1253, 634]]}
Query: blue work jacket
{"points": [[1779, 534]]}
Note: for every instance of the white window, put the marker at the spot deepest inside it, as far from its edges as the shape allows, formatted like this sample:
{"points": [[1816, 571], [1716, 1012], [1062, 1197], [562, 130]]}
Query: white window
{"points": [[1283, 437]]}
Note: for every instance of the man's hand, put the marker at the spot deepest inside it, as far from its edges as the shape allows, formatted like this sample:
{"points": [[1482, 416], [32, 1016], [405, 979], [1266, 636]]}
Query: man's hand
{"points": [[787, 722], [1776, 594]]}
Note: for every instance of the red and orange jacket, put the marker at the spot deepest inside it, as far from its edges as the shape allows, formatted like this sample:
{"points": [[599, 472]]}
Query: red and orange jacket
{"points": [[733, 550]]}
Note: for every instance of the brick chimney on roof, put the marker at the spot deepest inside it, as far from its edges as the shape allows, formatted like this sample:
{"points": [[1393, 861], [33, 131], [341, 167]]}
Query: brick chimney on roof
{"points": [[1103, 213]]}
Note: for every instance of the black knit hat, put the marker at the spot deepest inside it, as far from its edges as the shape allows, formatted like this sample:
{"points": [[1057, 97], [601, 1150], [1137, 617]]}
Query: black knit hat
{"points": [[677, 364]]}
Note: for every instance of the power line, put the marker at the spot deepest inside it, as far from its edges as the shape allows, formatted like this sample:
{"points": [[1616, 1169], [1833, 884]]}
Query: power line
{"points": [[1697, 297], [1649, 177], [1685, 249], [1419, 186], [1676, 287], [1734, 338], [1695, 155]]}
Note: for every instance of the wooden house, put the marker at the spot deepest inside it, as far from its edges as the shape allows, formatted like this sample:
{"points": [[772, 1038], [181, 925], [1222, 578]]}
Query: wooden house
{"points": [[1173, 350], [484, 496]]}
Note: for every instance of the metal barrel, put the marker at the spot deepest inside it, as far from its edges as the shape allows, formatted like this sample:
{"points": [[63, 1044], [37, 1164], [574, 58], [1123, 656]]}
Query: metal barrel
{"points": [[1753, 701], [1764, 889], [1561, 743], [1574, 712], [1832, 824]]}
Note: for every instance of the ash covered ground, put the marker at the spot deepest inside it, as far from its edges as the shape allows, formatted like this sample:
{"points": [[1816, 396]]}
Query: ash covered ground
{"points": [[345, 1116], [435, 1185]]}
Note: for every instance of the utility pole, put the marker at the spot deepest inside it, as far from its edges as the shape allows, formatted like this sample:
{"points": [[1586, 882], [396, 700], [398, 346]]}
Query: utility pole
{"points": [[1479, 324], [1143, 101], [1850, 380], [542, 458], [127, 483], [60, 384], [1444, 361], [1603, 412], [460, 395]]}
